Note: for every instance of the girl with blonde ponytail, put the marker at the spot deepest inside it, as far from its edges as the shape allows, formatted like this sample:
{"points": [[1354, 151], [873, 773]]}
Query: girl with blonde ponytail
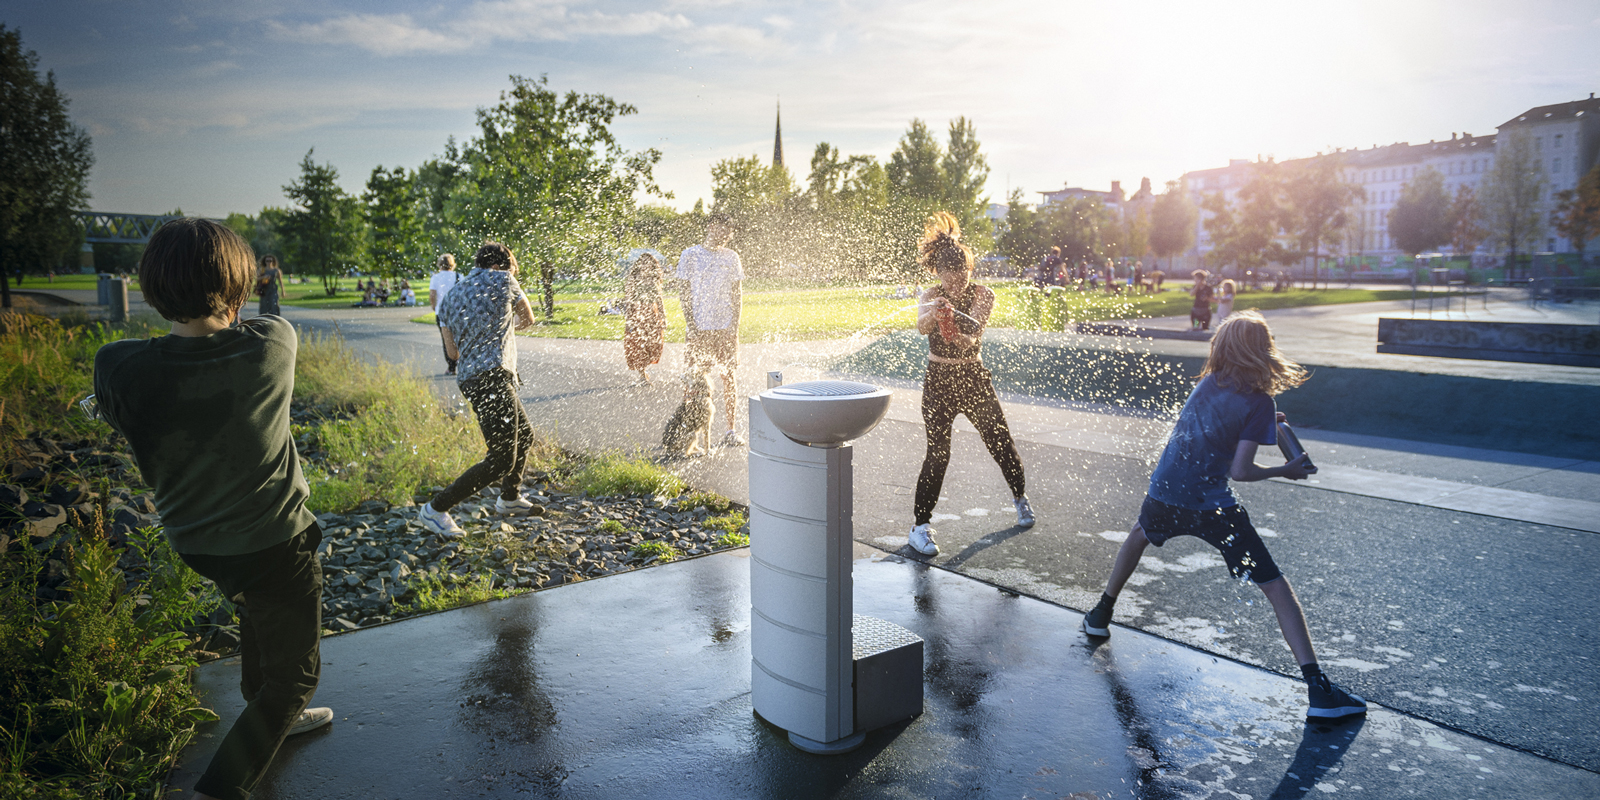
{"points": [[954, 314]]}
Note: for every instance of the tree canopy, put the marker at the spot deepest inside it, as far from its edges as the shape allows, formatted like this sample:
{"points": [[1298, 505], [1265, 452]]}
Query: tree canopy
{"points": [[1420, 219], [1511, 193], [44, 166], [323, 232], [1576, 215]]}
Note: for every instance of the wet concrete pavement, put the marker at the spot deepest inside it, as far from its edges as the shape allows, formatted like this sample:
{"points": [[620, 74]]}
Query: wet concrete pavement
{"points": [[1472, 621], [637, 686]]}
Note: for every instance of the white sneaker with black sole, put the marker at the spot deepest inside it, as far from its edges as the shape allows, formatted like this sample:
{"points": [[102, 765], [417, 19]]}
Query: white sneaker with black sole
{"points": [[921, 540], [438, 522], [521, 505], [310, 720]]}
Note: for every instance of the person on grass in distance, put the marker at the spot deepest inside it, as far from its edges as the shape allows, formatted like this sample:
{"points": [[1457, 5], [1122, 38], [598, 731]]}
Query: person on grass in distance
{"points": [[479, 320], [439, 287], [1229, 414], [205, 410], [953, 316], [712, 299]]}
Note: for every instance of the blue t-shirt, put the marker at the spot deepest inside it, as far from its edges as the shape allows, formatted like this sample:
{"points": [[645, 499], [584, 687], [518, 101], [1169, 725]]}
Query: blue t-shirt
{"points": [[1193, 471]]}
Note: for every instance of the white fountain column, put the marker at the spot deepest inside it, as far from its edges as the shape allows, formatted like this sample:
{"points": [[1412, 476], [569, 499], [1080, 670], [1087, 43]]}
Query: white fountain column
{"points": [[800, 587]]}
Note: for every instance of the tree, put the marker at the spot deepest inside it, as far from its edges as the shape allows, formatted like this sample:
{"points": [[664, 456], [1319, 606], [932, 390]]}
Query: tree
{"points": [[1172, 219], [1134, 236], [548, 178], [1023, 240], [914, 166], [397, 244], [1317, 205], [44, 166], [1466, 222], [323, 231], [1420, 220], [1576, 215], [1511, 194], [966, 171], [261, 231], [438, 182], [1246, 237]]}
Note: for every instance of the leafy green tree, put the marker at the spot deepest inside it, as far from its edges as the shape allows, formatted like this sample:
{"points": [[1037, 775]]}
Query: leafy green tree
{"points": [[1420, 219], [914, 168], [1023, 239], [1081, 227], [1317, 206], [262, 232], [1246, 237], [397, 243], [548, 178], [1511, 193], [966, 170], [44, 166], [1576, 215], [323, 232], [1466, 222], [1134, 233], [438, 182], [1172, 219]]}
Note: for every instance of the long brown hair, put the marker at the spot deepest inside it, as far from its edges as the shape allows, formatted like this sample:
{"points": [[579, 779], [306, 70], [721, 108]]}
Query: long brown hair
{"points": [[941, 247], [1245, 358]]}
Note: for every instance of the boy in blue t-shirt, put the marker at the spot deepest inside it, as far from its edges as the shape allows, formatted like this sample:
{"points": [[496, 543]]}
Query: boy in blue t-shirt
{"points": [[1227, 416]]}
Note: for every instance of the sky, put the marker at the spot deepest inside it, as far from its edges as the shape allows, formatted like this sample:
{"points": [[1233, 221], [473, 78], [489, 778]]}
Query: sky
{"points": [[209, 106]]}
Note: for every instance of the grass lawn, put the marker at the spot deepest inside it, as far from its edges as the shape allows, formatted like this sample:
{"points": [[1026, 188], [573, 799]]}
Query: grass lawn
{"points": [[768, 316], [804, 314], [39, 283]]}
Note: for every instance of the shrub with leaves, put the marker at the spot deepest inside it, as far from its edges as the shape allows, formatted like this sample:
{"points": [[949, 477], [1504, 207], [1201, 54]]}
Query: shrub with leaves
{"points": [[95, 699]]}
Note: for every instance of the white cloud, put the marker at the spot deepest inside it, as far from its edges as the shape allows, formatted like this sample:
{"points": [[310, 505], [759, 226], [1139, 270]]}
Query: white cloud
{"points": [[481, 25]]}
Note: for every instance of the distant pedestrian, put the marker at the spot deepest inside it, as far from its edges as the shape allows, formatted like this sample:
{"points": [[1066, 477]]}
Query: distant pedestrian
{"points": [[1227, 417], [439, 286], [479, 320], [1137, 278], [269, 285], [205, 410], [957, 383], [1225, 293], [1200, 312], [712, 299], [644, 325]]}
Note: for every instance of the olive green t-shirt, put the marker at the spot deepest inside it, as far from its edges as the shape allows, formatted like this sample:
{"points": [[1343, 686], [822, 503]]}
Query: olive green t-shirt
{"points": [[208, 420]]}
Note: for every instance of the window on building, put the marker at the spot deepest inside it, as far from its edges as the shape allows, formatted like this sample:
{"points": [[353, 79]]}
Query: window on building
{"points": [[1555, 165], [1558, 141]]}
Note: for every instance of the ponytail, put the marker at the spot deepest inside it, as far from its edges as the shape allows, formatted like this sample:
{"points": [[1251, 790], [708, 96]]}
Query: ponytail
{"points": [[940, 248]]}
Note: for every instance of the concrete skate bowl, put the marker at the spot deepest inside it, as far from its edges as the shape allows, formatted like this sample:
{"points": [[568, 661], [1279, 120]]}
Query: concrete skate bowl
{"points": [[1552, 419]]}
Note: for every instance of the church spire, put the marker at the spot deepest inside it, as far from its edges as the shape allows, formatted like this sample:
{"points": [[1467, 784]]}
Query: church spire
{"points": [[777, 139]]}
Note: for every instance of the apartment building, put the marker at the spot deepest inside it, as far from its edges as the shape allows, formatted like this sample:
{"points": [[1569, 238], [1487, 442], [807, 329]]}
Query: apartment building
{"points": [[1566, 138]]}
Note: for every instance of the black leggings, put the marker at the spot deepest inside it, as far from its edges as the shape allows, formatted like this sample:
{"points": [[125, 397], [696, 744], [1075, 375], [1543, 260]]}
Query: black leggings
{"points": [[948, 390], [506, 431]]}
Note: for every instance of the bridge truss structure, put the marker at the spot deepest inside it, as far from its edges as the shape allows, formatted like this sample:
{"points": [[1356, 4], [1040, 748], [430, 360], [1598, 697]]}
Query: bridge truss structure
{"points": [[110, 228]]}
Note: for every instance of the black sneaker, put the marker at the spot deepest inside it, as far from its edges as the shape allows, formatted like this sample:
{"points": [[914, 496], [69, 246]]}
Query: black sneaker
{"points": [[1329, 702], [1097, 622]]}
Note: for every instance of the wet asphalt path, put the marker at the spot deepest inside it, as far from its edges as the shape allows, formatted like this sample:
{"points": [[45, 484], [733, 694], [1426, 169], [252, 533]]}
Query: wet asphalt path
{"points": [[1477, 623]]}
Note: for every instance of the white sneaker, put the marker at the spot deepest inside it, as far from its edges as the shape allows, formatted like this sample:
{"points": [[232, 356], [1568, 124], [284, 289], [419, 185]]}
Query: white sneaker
{"points": [[1024, 512], [521, 505], [310, 720], [438, 522], [922, 540]]}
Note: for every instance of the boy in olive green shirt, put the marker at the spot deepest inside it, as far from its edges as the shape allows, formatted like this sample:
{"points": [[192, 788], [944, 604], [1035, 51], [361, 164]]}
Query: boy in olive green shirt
{"points": [[206, 412]]}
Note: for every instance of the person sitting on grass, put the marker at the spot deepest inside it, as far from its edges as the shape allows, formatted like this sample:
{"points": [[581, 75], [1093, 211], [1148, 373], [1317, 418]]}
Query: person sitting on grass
{"points": [[1229, 414], [206, 411]]}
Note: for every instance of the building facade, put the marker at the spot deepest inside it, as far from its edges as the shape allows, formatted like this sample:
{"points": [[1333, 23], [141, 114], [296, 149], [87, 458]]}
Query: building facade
{"points": [[1566, 137]]}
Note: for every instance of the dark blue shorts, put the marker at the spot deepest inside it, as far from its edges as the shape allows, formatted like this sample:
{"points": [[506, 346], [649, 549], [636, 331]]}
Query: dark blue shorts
{"points": [[1227, 529]]}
